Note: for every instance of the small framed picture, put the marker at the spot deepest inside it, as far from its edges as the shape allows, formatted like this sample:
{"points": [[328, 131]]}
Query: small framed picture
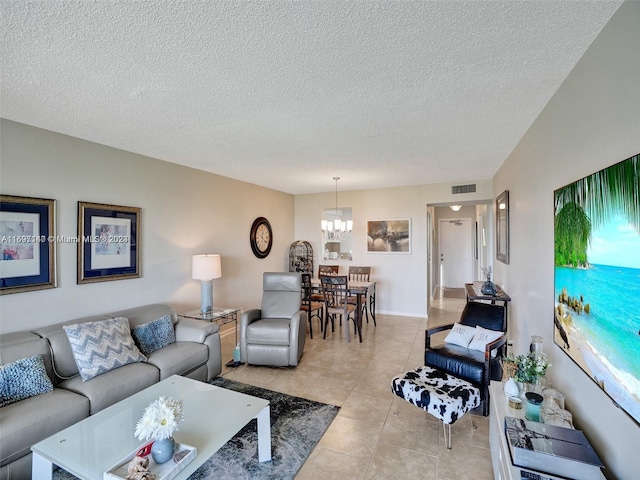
{"points": [[389, 236], [27, 242], [108, 242]]}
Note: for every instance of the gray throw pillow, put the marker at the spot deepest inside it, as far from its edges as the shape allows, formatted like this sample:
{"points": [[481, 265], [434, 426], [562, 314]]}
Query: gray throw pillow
{"points": [[99, 347]]}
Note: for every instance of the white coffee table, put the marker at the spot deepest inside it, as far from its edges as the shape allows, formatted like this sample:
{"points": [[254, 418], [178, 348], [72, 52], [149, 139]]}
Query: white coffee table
{"points": [[213, 416]]}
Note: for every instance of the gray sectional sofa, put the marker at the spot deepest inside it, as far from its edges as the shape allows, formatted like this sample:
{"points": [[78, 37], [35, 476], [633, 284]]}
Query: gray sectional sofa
{"points": [[195, 354]]}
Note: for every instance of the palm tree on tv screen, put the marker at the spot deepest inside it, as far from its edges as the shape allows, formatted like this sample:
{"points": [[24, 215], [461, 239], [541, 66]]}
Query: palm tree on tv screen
{"points": [[589, 202]]}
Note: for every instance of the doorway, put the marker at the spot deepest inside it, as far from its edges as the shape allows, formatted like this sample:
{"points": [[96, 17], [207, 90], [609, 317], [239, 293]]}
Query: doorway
{"points": [[476, 245], [455, 252]]}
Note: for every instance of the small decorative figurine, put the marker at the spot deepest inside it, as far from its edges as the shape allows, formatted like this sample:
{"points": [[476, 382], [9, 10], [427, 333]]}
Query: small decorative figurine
{"points": [[139, 469]]}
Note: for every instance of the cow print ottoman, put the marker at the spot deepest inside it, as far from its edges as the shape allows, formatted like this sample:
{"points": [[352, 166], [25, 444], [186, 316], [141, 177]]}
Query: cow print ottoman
{"points": [[442, 395]]}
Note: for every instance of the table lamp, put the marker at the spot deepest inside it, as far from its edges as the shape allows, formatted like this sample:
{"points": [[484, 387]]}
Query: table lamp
{"points": [[205, 268]]}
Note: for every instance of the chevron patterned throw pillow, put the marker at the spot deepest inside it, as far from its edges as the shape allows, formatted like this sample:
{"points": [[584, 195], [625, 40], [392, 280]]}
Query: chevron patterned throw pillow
{"points": [[102, 346]]}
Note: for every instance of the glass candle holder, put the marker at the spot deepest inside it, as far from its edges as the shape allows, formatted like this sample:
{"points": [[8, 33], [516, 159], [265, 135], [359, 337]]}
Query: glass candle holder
{"points": [[536, 344], [553, 395], [534, 401], [558, 397]]}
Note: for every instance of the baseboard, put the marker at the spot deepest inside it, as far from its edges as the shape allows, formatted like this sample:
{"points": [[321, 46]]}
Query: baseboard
{"points": [[401, 314]]}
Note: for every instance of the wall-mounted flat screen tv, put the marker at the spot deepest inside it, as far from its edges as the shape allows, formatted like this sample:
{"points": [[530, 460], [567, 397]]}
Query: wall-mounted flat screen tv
{"points": [[597, 279]]}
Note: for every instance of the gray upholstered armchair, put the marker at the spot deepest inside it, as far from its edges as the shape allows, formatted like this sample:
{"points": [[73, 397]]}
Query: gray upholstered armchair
{"points": [[275, 334]]}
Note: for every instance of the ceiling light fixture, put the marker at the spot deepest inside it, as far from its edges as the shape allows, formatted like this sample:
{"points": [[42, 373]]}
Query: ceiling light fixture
{"points": [[336, 229], [455, 208]]}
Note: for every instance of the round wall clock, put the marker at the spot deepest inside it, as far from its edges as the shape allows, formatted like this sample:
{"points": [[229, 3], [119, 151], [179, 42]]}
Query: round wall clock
{"points": [[261, 237]]}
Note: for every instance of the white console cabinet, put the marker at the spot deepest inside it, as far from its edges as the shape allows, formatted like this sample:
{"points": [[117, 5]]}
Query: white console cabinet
{"points": [[503, 468]]}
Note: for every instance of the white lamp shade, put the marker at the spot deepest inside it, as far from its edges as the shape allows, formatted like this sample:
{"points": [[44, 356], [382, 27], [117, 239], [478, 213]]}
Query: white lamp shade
{"points": [[206, 267]]}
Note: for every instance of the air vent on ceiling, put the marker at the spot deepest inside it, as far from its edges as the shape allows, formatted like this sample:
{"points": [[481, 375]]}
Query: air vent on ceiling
{"points": [[463, 188]]}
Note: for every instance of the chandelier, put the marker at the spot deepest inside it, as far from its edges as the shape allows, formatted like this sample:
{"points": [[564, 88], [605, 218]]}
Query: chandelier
{"points": [[336, 229]]}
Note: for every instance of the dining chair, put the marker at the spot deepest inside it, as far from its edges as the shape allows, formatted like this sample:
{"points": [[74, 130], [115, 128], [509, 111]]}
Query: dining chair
{"points": [[360, 274], [335, 289], [328, 269], [314, 309], [324, 270]]}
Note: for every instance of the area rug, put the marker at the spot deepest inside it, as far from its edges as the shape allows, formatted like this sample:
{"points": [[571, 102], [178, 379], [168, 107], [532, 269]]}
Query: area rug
{"points": [[297, 424], [458, 293]]}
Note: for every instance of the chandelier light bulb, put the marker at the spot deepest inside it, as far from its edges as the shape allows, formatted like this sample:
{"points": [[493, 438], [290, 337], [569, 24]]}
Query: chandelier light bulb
{"points": [[337, 229]]}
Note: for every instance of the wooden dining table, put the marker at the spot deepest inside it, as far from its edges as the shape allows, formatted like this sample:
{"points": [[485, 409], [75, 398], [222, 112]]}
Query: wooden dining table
{"points": [[360, 290]]}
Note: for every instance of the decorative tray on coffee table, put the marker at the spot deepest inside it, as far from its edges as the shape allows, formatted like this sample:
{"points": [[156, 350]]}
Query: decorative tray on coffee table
{"points": [[165, 471]]}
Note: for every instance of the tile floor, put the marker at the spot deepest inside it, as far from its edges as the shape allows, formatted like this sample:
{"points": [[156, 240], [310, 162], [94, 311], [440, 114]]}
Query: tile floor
{"points": [[376, 435]]}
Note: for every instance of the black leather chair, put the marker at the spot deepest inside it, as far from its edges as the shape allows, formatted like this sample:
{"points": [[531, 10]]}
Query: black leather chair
{"points": [[474, 366]]}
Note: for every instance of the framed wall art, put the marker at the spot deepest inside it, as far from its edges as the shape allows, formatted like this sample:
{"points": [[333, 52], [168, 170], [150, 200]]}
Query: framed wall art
{"points": [[502, 227], [389, 236], [27, 242], [108, 242]]}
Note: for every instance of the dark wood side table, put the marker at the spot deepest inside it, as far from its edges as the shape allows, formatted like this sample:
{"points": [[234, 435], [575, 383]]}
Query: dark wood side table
{"points": [[474, 293], [218, 315]]}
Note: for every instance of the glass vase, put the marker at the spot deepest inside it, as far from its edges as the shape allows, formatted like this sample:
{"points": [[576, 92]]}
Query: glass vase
{"points": [[534, 386], [488, 287], [162, 450]]}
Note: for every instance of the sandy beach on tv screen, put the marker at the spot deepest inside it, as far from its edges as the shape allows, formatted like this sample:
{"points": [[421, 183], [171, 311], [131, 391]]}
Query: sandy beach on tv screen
{"points": [[575, 351], [622, 388]]}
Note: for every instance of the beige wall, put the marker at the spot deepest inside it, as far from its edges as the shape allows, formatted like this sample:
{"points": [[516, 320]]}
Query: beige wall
{"points": [[184, 211], [593, 121], [401, 278], [187, 211]]}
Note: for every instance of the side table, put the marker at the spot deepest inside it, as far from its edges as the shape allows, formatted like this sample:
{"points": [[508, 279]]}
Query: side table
{"points": [[219, 315], [474, 293]]}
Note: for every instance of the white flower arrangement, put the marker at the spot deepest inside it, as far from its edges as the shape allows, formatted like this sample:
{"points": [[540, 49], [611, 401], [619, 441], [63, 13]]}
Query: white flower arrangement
{"points": [[527, 368], [160, 419]]}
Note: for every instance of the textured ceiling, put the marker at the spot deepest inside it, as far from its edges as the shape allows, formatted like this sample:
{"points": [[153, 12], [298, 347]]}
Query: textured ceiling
{"points": [[288, 94]]}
